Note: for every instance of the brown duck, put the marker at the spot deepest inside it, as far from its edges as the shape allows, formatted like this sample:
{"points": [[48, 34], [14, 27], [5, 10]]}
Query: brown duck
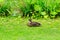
{"points": [[33, 24]]}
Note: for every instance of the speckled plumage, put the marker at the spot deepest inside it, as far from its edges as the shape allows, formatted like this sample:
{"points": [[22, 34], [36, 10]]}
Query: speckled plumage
{"points": [[33, 24]]}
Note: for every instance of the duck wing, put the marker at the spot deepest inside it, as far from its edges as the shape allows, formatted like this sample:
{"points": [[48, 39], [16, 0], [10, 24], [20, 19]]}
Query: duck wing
{"points": [[35, 23]]}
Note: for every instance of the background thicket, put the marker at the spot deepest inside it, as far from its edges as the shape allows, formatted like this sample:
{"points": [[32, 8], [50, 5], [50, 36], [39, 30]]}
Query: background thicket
{"points": [[31, 8]]}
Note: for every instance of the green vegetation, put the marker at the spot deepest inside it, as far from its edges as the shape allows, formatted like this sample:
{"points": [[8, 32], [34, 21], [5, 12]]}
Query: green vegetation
{"points": [[41, 8], [32, 8], [14, 15]]}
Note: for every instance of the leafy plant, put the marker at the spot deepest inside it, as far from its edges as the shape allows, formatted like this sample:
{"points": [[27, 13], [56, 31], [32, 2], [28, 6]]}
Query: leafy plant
{"points": [[53, 14], [37, 8], [32, 8], [4, 10]]}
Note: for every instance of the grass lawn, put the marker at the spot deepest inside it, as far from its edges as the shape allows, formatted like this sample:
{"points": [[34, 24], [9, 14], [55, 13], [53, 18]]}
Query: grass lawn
{"points": [[15, 28]]}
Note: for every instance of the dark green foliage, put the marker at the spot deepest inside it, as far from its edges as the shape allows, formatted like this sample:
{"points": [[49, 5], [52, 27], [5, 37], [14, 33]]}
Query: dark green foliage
{"points": [[32, 8], [28, 10], [4, 10], [40, 8]]}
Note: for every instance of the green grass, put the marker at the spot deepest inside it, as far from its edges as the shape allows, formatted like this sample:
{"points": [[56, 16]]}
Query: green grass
{"points": [[15, 28]]}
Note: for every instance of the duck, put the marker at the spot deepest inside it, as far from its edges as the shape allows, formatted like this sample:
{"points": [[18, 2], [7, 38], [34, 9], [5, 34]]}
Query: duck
{"points": [[33, 24]]}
